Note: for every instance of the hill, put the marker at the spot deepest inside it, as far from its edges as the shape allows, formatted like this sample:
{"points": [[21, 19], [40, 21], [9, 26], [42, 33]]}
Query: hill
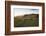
{"points": [[26, 20]]}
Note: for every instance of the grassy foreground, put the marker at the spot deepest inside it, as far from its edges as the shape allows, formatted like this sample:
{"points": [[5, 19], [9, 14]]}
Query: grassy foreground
{"points": [[26, 21]]}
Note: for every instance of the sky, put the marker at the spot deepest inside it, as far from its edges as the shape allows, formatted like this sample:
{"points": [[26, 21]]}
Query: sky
{"points": [[23, 11]]}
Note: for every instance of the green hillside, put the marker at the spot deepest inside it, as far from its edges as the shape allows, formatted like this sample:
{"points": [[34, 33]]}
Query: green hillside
{"points": [[26, 20]]}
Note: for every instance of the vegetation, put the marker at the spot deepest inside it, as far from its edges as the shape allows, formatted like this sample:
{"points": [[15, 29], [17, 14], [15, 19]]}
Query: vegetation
{"points": [[26, 21]]}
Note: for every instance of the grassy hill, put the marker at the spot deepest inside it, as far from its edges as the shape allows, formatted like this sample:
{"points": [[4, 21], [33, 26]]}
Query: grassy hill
{"points": [[26, 20]]}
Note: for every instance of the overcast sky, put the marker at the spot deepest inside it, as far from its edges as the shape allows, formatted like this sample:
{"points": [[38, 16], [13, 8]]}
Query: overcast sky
{"points": [[22, 11]]}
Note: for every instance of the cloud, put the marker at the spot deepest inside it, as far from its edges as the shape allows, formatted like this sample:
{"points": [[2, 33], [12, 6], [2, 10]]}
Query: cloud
{"points": [[22, 11]]}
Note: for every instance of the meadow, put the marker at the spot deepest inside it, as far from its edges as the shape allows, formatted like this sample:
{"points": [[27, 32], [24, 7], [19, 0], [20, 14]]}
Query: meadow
{"points": [[30, 20]]}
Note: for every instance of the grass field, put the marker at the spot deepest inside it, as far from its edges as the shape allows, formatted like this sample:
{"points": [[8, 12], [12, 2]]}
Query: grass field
{"points": [[26, 20]]}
